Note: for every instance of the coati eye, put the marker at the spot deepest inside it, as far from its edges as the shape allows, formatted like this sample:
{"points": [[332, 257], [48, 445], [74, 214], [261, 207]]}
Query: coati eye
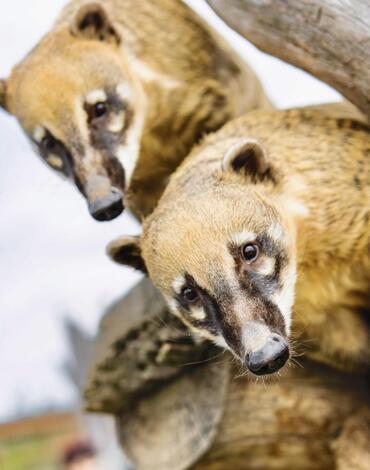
{"points": [[189, 294], [99, 110], [250, 252], [49, 143]]}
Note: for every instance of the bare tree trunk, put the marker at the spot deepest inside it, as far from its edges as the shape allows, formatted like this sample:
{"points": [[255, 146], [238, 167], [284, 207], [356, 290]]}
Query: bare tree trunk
{"points": [[293, 423], [330, 39]]}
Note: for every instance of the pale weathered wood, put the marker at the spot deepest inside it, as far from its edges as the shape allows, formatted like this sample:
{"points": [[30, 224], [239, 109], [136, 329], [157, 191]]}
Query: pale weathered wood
{"points": [[330, 39], [293, 422], [352, 448], [174, 415], [172, 428], [310, 418]]}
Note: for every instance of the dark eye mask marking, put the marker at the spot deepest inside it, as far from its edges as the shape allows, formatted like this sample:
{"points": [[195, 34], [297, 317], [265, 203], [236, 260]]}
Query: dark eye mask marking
{"points": [[269, 246], [217, 321], [251, 280], [261, 287], [107, 142], [101, 138], [190, 283], [272, 316]]}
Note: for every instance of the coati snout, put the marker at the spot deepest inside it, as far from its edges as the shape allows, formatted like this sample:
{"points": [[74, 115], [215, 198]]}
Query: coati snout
{"points": [[108, 207], [270, 358], [105, 202]]}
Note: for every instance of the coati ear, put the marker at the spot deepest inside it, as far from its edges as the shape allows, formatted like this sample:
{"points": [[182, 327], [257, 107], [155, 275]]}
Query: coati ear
{"points": [[249, 157], [3, 94], [92, 22], [127, 251]]}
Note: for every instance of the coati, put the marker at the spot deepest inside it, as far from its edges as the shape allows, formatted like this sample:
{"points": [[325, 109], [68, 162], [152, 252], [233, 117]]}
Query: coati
{"points": [[263, 230], [117, 93]]}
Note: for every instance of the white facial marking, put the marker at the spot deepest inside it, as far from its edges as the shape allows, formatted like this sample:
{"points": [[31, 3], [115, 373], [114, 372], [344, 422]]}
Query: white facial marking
{"points": [[174, 308], [243, 237], [80, 116], [55, 161], [124, 91], [276, 233], [267, 267], [178, 284], [96, 96], [128, 154], [254, 336], [285, 299], [39, 133], [198, 313], [201, 332], [116, 123], [172, 305], [220, 341]]}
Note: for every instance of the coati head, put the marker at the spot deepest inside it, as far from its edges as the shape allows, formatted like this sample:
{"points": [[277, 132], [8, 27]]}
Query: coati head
{"points": [[75, 98], [220, 246], [110, 105]]}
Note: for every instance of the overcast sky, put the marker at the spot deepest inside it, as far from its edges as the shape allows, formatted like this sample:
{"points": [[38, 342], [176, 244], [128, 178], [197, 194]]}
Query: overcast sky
{"points": [[52, 260]]}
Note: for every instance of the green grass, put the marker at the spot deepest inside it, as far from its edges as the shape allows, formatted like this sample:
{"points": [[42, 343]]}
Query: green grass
{"points": [[36, 443], [30, 453]]}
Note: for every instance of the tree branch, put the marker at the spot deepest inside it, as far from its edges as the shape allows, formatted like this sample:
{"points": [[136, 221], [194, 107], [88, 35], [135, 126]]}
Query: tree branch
{"points": [[330, 39]]}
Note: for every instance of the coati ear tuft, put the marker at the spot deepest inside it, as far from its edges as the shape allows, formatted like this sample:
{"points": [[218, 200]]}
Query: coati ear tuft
{"points": [[249, 157], [92, 22], [3, 94], [127, 251]]}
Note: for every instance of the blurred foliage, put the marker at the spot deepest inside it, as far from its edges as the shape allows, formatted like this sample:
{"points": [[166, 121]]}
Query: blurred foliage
{"points": [[36, 444]]}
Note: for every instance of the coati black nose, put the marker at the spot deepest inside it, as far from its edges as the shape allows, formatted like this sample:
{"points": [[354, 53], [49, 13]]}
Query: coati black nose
{"points": [[270, 358], [108, 207]]}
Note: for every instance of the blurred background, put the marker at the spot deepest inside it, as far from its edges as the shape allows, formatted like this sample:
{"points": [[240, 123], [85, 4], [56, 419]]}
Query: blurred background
{"points": [[55, 280]]}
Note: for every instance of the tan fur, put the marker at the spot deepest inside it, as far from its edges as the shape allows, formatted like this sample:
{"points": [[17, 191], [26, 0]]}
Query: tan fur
{"points": [[184, 82], [2, 93], [320, 199]]}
